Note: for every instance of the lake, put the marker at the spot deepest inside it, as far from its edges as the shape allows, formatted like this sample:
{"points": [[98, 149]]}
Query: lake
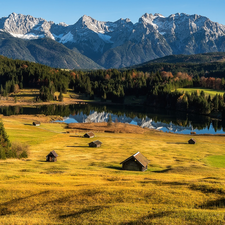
{"points": [[160, 119]]}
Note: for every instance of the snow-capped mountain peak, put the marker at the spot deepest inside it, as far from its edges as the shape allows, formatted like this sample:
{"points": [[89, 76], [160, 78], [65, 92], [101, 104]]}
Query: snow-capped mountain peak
{"points": [[153, 36]]}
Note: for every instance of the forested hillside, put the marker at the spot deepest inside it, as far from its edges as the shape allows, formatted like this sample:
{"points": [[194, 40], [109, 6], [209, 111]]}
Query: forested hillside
{"points": [[208, 64], [157, 86], [197, 58]]}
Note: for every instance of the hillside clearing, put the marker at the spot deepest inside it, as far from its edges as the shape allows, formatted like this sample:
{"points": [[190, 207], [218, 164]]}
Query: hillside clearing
{"points": [[210, 92]]}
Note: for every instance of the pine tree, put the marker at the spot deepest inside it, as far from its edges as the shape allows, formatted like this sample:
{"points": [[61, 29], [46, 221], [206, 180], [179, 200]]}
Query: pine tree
{"points": [[4, 141], [216, 102], [60, 96], [109, 123]]}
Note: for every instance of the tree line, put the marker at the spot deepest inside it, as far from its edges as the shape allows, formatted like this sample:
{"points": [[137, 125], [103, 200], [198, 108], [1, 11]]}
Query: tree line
{"points": [[8, 149], [114, 85]]}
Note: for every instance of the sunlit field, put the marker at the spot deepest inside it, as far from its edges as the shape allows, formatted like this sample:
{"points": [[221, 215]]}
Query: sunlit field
{"points": [[210, 92], [184, 184]]}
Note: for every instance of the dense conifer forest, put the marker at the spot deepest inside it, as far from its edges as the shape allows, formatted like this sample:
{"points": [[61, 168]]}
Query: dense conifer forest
{"points": [[158, 84]]}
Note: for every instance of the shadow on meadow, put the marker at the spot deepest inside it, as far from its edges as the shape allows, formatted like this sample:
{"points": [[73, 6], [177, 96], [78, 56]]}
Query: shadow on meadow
{"points": [[77, 146], [207, 188], [25, 95], [163, 171], [76, 136], [115, 167], [219, 203], [178, 143], [151, 216], [42, 161], [160, 183], [14, 205], [83, 211]]}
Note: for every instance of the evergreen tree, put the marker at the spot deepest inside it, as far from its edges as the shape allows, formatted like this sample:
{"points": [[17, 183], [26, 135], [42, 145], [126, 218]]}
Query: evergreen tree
{"points": [[109, 123], [1, 90], [60, 96], [216, 102], [4, 141]]}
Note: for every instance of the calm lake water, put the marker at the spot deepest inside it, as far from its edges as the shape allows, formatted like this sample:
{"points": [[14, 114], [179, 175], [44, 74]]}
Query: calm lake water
{"points": [[160, 119]]}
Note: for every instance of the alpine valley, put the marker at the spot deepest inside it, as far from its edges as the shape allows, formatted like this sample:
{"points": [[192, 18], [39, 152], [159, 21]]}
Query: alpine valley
{"points": [[91, 44]]}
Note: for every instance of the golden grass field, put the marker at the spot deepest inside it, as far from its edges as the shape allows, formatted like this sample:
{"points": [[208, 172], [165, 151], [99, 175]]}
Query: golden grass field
{"points": [[184, 184]]}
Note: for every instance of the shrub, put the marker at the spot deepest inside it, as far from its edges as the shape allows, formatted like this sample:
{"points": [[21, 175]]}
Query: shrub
{"points": [[2, 153], [20, 150], [23, 154]]}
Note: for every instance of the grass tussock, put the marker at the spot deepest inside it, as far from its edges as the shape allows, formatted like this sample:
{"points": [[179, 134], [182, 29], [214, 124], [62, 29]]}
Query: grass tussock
{"points": [[87, 185]]}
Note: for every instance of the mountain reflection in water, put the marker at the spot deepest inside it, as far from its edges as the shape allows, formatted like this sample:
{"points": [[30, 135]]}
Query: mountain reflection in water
{"points": [[160, 119], [97, 117]]}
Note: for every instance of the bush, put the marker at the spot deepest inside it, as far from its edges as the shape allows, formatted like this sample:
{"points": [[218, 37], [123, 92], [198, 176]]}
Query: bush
{"points": [[2, 153], [23, 154], [20, 150]]}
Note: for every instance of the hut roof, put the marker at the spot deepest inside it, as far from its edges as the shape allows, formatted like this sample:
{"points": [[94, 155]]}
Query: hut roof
{"points": [[36, 122], [192, 140], [90, 134], [97, 142], [139, 157], [53, 153]]}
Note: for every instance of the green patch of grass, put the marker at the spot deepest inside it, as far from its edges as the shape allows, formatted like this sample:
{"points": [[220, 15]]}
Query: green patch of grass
{"points": [[210, 92], [216, 161]]}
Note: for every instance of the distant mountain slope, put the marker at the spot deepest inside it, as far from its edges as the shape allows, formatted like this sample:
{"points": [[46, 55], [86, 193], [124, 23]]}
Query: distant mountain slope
{"points": [[207, 64], [123, 43], [198, 58], [45, 51]]}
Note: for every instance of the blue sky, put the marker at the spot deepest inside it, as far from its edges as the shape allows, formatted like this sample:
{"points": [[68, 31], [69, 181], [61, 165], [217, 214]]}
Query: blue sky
{"points": [[69, 11]]}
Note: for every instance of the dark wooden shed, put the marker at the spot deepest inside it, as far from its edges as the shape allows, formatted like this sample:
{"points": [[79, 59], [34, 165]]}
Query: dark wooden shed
{"points": [[51, 157], [89, 135], [36, 123], [95, 144], [136, 162], [191, 141]]}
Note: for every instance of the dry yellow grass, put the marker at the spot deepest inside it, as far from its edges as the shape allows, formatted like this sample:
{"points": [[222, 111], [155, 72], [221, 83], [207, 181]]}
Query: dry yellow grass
{"points": [[87, 186]]}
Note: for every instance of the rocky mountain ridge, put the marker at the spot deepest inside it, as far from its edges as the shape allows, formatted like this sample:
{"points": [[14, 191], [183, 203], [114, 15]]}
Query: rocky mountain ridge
{"points": [[123, 43]]}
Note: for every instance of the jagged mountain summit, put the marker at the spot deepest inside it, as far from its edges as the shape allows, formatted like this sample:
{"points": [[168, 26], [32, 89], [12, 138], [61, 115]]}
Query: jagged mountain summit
{"points": [[123, 43]]}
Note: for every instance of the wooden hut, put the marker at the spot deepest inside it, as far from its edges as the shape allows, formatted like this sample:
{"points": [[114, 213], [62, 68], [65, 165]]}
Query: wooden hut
{"points": [[95, 144], [136, 162], [89, 135], [36, 123], [51, 157], [191, 141]]}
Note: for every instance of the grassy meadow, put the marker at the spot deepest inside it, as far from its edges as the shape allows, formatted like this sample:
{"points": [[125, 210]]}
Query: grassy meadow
{"points": [[184, 184], [210, 92]]}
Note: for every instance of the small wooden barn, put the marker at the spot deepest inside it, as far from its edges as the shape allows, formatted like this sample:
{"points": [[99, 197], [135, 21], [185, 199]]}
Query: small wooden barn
{"points": [[89, 135], [36, 123], [51, 157], [95, 144], [191, 141], [136, 162]]}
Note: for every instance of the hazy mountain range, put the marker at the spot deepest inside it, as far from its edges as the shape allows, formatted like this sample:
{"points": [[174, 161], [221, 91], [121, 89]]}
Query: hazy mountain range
{"points": [[93, 44]]}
